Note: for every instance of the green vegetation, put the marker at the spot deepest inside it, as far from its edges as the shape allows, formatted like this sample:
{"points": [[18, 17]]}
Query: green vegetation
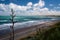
{"points": [[51, 34]]}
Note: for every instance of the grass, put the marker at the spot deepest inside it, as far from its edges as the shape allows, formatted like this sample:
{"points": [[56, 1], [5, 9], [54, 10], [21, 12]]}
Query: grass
{"points": [[51, 34]]}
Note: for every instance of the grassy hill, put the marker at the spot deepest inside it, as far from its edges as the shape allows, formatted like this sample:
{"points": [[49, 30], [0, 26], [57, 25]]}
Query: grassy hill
{"points": [[50, 34]]}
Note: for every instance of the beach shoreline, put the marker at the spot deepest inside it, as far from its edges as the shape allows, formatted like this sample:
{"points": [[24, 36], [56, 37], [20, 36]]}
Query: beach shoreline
{"points": [[44, 25], [26, 31]]}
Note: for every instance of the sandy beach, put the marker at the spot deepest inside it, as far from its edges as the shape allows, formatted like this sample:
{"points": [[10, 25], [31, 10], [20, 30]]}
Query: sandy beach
{"points": [[19, 33]]}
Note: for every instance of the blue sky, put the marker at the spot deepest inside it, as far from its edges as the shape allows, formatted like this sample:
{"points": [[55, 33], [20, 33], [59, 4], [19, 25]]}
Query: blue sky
{"points": [[19, 2], [24, 2], [38, 6]]}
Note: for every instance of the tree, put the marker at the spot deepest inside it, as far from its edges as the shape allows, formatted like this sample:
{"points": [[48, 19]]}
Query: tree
{"points": [[12, 27]]}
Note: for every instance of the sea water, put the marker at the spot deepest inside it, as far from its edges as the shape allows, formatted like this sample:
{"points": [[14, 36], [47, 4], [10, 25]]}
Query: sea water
{"points": [[20, 19]]}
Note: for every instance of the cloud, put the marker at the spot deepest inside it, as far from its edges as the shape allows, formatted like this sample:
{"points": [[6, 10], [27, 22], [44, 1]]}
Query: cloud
{"points": [[29, 9], [57, 7], [17, 7], [59, 4], [29, 4], [44, 9], [2, 6], [51, 5], [41, 3], [2, 0]]}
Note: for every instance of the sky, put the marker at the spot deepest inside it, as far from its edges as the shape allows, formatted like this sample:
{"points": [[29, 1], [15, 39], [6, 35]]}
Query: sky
{"points": [[30, 7]]}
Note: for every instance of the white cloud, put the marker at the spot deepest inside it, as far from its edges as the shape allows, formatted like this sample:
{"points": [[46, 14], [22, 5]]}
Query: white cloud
{"points": [[34, 9], [51, 12], [59, 4], [17, 7], [2, 0], [2, 6], [41, 3], [57, 7], [35, 5], [44, 9], [51, 5], [29, 4]]}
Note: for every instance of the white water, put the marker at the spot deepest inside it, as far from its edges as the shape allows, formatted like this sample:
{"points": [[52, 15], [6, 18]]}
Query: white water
{"points": [[21, 25]]}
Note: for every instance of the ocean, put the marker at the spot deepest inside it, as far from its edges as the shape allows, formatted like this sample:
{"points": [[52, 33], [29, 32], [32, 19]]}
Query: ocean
{"points": [[24, 21], [20, 19]]}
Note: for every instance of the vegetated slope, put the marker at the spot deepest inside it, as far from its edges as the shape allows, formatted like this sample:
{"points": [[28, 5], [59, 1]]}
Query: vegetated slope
{"points": [[50, 34]]}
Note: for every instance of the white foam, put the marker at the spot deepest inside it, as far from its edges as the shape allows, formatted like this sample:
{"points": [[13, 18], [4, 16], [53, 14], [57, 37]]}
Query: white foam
{"points": [[53, 19], [7, 24], [26, 19], [3, 20], [21, 25]]}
